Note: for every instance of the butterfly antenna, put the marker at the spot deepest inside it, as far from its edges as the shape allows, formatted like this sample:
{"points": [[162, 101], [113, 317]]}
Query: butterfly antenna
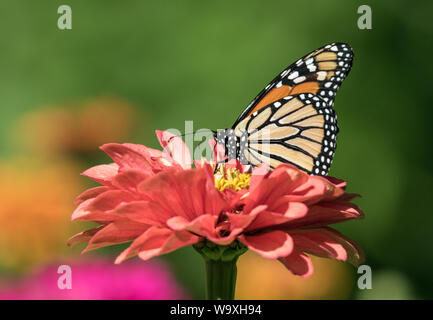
{"points": [[185, 134]]}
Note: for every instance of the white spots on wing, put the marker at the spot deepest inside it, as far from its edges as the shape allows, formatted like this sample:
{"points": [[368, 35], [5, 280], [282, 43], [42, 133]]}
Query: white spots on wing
{"points": [[309, 61], [299, 79], [312, 67], [321, 75], [284, 73], [293, 75], [279, 84]]}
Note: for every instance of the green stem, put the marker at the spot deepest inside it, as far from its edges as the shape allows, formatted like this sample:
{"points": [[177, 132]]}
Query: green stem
{"points": [[221, 268], [220, 279]]}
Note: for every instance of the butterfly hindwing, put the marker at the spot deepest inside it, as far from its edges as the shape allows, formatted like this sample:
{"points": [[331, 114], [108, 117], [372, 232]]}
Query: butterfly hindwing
{"points": [[300, 129], [320, 72]]}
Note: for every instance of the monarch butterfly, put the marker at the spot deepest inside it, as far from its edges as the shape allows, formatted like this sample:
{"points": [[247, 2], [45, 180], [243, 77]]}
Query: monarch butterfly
{"points": [[292, 120]]}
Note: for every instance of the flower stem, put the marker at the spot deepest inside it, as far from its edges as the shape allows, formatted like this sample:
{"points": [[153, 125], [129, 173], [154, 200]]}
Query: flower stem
{"points": [[220, 279], [221, 268]]}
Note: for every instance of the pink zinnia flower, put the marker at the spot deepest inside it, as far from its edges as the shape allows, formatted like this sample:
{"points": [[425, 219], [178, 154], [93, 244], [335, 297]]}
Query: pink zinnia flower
{"points": [[97, 280], [159, 202]]}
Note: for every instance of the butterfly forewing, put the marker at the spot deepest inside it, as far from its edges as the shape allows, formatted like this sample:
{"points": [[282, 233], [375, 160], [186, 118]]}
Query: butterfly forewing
{"points": [[300, 129], [320, 72]]}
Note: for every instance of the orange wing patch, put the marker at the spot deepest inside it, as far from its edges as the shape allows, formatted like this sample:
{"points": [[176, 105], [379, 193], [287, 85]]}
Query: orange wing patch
{"points": [[278, 93], [272, 96], [305, 87]]}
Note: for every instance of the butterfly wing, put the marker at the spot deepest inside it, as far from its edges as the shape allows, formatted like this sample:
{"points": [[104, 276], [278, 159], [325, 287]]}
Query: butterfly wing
{"points": [[300, 129], [320, 72]]}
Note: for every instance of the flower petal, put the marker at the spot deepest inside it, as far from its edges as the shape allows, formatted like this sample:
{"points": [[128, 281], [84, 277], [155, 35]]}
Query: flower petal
{"points": [[126, 157], [115, 233], [258, 174], [218, 150], [103, 173], [310, 191], [337, 182], [292, 211], [320, 244], [325, 213], [177, 240], [355, 254], [298, 263], [143, 212], [83, 236], [84, 214], [203, 225], [153, 239], [156, 241], [96, 209], [110, 200], [317, 189], [144, 151], [188, 193], [270, 245], [89, 194], [175, 150], [241, 221], [277, 184], [234, 225], [129, 179]]}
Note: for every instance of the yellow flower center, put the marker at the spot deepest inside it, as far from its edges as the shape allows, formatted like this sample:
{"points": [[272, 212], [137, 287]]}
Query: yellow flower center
{"points": [[232, 179]]}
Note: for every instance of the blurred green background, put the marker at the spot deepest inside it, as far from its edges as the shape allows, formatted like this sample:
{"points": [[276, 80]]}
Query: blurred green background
{"points": [[155, 64]]}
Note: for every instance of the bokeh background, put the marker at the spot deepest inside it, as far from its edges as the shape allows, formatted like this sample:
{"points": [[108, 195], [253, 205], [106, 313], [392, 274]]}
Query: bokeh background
{"points": [[128, 68]]}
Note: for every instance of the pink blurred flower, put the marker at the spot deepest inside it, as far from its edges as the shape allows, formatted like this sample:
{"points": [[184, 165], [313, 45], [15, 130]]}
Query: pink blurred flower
{"points": [[157, 201], [98, 280]]}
